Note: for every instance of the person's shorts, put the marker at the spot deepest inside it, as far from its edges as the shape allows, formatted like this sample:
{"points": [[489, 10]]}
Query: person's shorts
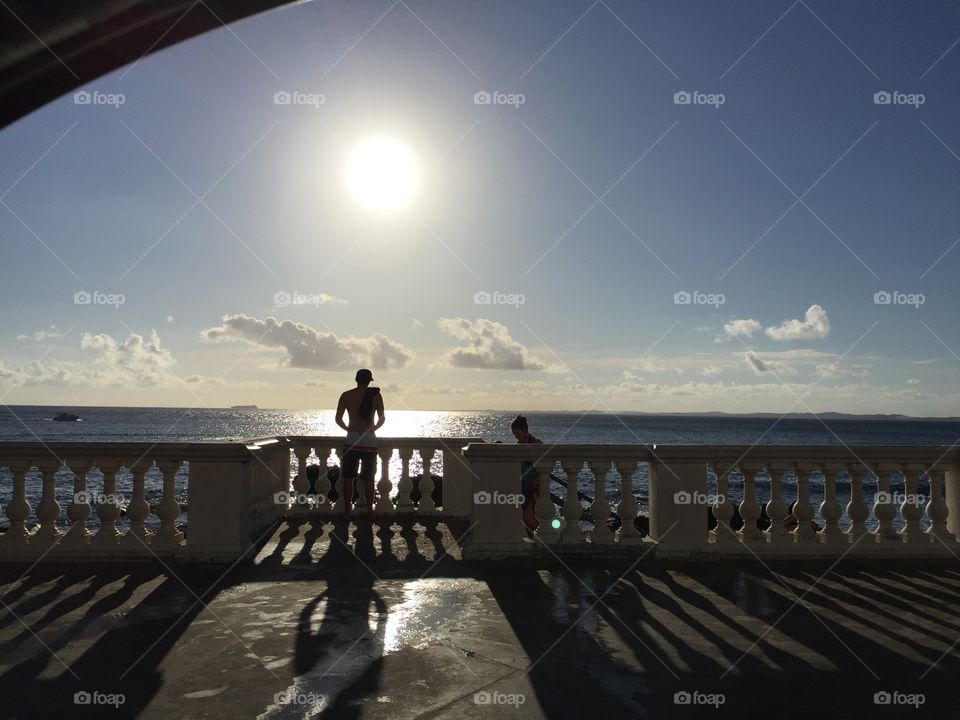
{"points": [[356, 460]]}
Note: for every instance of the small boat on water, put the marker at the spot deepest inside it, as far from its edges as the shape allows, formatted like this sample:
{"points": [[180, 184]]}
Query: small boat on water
{"points": [[66, 417], [244, 407]]}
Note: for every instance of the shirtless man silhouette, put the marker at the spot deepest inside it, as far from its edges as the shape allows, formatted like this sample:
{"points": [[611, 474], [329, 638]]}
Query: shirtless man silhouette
{"points": [[361, 404]]}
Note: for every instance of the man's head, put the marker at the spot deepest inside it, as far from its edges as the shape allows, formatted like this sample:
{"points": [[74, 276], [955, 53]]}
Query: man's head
{"points": [[364, 377]]}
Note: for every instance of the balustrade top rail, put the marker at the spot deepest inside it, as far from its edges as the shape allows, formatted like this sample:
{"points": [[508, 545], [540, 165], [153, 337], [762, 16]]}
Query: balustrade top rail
{"points": [[454, 443], [478, 449], [779, 455], [136, 452]]}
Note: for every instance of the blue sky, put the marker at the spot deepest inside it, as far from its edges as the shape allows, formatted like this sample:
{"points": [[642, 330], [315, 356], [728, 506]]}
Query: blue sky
{"points": [[595, 201]]}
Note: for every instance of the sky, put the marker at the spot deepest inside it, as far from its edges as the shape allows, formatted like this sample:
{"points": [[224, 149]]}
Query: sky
{"points": [[656, 206]]}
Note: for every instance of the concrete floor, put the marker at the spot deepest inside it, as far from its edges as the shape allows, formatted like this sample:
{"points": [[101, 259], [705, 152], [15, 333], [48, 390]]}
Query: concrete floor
{"points": [[325, 617]]}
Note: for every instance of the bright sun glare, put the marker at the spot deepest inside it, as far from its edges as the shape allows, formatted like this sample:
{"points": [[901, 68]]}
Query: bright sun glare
{"points": [[382, 174]]}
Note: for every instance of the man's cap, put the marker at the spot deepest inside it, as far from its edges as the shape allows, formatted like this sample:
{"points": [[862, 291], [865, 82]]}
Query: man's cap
{"points": [[364, 376]]}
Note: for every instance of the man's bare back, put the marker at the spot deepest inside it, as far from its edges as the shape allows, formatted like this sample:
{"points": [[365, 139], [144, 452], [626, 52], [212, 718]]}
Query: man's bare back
{"points": [[350, 403]]}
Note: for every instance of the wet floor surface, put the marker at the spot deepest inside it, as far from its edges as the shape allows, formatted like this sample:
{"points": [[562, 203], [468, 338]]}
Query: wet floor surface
{"points": [[370, 622]]}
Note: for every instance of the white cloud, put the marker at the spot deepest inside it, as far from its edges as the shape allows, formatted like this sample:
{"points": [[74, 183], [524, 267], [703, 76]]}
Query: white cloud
{"points": [[133, 361], [709, 370], [526, 386], [652, 366], [832, 370], [760, 366], [51, 333], [742, 328], [202, 380], [309, 348], [913, 381], [815, 324], [490, 346]]}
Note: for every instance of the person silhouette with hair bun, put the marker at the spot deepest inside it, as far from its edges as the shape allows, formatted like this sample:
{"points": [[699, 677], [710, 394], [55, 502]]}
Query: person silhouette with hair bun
{"points": [[529, 482]]}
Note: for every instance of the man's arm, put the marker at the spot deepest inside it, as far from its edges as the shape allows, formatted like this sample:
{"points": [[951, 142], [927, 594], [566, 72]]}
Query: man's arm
{"points": [[381, 417], [341, 409]]}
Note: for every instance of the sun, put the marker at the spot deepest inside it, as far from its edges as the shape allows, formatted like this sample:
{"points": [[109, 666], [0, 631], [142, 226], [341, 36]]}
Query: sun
{"points": [[382, 174]]}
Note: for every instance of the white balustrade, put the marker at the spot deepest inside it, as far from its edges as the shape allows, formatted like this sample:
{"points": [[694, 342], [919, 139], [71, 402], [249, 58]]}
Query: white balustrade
{"points": [[232, 489]]}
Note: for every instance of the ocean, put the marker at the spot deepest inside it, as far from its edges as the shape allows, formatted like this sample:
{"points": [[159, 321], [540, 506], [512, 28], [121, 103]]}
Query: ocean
{"points": [[35, 423]]}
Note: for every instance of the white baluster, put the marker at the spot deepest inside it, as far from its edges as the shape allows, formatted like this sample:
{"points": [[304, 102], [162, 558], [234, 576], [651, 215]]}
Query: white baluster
{"points": [[385, 486], [937, 508], [546, 512], [883, 509], [857, 509], [48, 511], [18, 510], [137, 512], [299, 488], [830, 510], [78, 511], [802, 510], [405, 485], [600, 508], [426, 483], [323, 482], [722, 507], [301, 485], [168, 537], [627, 507], [108, 510], [572, 508], [910, 509], [749, 507], [777, 508]]}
